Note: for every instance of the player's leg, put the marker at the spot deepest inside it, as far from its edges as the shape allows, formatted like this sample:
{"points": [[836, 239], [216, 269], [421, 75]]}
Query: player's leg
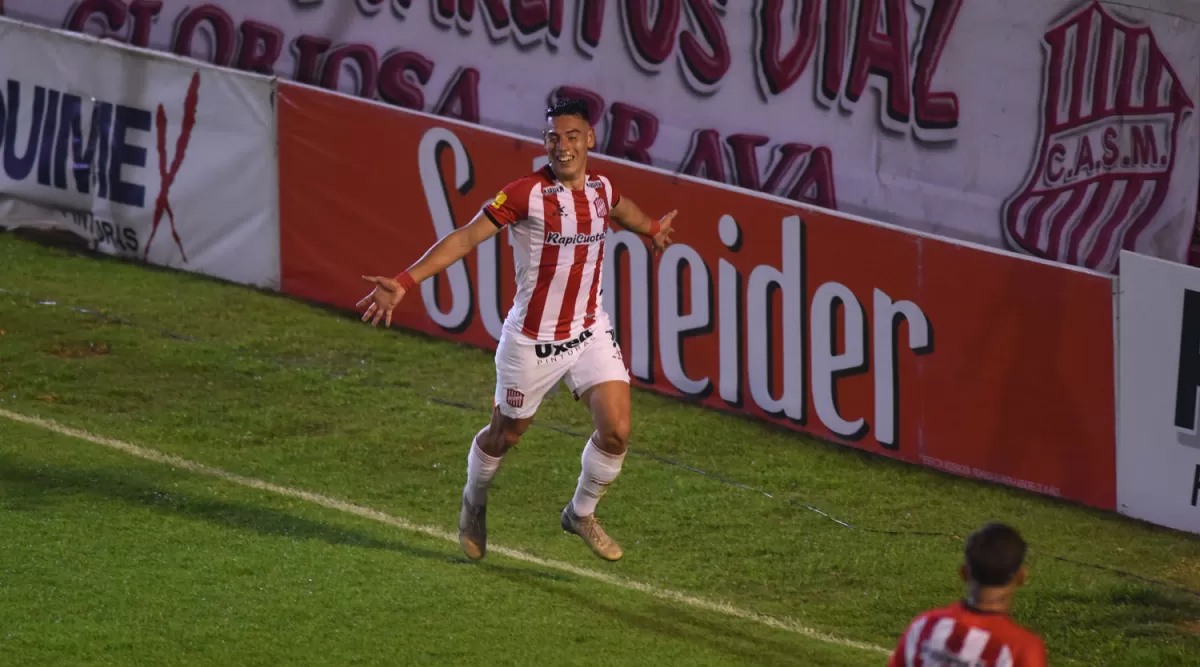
{"points": [[487, 450], [520, 386], [600, 381]]}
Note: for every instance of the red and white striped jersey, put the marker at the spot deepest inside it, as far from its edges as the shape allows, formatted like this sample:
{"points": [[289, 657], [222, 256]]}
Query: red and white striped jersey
{"points": [[962, 636], [557, 236]]}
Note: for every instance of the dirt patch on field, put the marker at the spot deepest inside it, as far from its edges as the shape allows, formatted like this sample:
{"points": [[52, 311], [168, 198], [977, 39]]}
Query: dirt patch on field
{"points": [[79, 350], [1187, 573]]}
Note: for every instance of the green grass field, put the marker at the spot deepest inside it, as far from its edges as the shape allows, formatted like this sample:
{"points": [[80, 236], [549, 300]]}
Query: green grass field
{"points": [[111, 559]]}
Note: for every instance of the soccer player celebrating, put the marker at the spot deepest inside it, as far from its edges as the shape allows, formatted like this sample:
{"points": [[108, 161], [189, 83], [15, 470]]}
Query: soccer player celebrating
{"points": [[977, 632], [557, 328]]}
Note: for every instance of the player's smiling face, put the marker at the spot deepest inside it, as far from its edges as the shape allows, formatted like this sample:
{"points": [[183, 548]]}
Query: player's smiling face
{"points": [[568, 139]]}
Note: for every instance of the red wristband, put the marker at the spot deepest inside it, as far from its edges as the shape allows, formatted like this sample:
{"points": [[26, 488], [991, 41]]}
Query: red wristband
{"points": [[406, 281], [655, 227]]}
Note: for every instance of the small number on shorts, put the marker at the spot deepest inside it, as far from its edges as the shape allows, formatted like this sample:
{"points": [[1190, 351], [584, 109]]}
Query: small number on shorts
{"points": [[616, 347]]}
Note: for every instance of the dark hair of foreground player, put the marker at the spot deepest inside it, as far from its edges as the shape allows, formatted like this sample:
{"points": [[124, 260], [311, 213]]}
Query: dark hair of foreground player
{"points": [[994, 556]]}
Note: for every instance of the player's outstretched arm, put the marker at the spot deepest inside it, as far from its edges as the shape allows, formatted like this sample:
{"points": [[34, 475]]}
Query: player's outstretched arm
{"points": [[449, 249], [452, 247], [627, 214]]}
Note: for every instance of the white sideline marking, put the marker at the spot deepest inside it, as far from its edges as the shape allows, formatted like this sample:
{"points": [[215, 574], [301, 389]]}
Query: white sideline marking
{"points": [[783, 623]]}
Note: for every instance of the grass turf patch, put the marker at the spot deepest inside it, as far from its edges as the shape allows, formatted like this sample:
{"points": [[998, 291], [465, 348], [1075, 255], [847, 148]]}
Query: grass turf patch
{"points": [[262, 385]]}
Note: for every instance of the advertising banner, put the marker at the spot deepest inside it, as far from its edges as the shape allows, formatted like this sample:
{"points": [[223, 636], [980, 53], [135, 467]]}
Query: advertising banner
{"points": [[1065, 129], [970, 360], [1158, 446], [151, 157]]}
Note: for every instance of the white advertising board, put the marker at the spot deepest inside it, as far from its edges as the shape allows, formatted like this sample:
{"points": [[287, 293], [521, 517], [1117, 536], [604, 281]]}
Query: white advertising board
{"points": [[1158, 439], [1061, 128], [150, 156]]}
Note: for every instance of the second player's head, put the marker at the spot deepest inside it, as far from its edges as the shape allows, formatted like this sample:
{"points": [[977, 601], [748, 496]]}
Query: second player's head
{"points": [[994, 557], [568, 138]]}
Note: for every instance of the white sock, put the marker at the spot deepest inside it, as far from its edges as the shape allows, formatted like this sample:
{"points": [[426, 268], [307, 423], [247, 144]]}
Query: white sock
{"points": [[599, 471], [481, 468]]}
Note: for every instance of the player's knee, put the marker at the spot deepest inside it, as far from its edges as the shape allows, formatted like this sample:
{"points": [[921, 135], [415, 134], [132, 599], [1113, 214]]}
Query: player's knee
{"points": [[509, 437], [497, 441], [613, 437], [502, 434]]}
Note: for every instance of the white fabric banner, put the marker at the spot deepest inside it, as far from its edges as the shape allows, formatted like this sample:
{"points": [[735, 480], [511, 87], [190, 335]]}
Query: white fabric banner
{"points": [[150, 156], [1061, 128], [1158, 438]]}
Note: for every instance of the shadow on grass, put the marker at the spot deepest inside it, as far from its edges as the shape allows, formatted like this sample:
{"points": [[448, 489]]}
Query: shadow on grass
{"points": [[36, 487], [1128, 610], [678, 623], [30, 487]]}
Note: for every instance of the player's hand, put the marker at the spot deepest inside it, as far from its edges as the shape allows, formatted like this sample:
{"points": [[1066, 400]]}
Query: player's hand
{"points": [[382, 300], [662, 241]]}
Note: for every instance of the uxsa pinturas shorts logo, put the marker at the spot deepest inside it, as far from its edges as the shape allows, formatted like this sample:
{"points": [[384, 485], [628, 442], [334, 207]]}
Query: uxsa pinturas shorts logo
{"points": [[1111, 110]]}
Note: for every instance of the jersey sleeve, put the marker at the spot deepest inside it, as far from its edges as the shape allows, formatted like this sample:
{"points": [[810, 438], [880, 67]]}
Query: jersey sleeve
{"points": [[510, 205], [614, 196], [1034, 654]]}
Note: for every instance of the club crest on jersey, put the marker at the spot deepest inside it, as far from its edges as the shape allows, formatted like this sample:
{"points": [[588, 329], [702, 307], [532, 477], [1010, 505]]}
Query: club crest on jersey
{"points": [[1111, 110], [514, 398], [499, 200], [601, 208]]}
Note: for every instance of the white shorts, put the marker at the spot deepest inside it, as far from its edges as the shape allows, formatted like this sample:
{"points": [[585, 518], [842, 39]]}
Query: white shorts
{"points": [[528, 371]]}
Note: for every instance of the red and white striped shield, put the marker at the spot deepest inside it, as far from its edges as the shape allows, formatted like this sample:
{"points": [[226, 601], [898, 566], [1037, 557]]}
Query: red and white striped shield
{"points": [[1111, 109], [514, 398]]}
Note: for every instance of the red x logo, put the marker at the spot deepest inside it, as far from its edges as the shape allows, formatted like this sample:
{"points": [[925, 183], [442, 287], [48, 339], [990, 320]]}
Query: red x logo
{"points": [[163, 204]]}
